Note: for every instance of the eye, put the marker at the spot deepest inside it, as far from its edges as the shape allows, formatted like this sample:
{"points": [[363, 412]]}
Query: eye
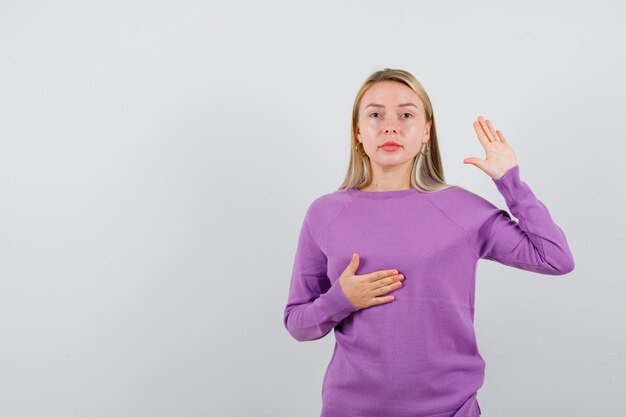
{"points": [[374, 114], [409, 115]]}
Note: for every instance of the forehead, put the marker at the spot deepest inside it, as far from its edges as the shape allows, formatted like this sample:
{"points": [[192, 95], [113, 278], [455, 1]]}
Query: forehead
{"points": [[390, 94]]}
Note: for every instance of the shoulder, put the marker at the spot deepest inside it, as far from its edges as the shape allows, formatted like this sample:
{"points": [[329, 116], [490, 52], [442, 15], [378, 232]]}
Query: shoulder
{"points": [[460, 198], [323, 209], [463, 206]]}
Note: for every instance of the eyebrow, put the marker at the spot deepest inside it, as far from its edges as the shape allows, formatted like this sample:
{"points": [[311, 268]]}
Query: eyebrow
{"points": [[399, 105]]}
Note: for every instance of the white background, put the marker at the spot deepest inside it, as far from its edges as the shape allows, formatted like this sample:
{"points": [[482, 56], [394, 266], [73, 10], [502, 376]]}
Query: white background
{"points": [[157, 157]]}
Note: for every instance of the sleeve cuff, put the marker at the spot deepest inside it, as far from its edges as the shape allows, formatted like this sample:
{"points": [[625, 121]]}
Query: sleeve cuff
{"points": [[335, 303], [511, 186]]}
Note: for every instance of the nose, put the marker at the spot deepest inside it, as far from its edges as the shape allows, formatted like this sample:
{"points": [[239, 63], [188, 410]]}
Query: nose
{"points": [[391, 129]]}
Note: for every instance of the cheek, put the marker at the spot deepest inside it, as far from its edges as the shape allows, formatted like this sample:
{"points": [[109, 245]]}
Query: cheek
{"points": [[415, 128], [367, 130], [413, 145]]}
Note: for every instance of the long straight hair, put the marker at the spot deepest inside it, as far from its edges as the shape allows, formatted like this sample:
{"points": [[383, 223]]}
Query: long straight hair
{"points": [[427, 169]]}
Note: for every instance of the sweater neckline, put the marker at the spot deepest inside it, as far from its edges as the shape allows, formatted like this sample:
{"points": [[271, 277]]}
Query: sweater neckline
{"points": [[382, 195]]}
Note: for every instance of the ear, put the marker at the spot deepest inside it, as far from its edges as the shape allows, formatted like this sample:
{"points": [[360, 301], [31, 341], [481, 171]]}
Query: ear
{"points": [[427, 132]]}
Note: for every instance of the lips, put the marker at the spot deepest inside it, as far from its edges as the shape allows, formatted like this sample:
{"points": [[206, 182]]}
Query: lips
{"points": [[390, 145]]}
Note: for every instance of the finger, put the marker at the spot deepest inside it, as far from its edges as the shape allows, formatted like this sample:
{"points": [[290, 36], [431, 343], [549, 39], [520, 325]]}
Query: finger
{"points": [[375, 276], [389, 280], [501, 135], [493, 131], [387, 288], [382, 300], [484, 140], [483, 124]]}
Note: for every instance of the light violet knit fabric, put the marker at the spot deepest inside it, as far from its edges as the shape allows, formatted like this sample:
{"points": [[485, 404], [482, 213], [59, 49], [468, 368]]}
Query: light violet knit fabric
{"points": [[415, 356]]}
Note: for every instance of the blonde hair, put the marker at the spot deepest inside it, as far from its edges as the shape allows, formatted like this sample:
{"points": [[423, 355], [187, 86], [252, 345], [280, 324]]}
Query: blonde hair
{"points": [[427, 169]]}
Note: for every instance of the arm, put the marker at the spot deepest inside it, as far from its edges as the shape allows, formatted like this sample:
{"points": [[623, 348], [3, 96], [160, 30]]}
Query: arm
{"points": [[535, 244], [314, 306]]}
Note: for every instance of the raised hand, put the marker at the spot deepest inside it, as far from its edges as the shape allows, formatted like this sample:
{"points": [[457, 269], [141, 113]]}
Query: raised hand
{"points": [[499, 155]]}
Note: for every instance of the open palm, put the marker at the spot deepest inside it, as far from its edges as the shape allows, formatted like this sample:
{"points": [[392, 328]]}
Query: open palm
{"points": [[499, 156]]}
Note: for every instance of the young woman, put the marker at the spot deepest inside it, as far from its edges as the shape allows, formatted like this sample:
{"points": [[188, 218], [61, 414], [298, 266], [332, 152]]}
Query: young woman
{"points": [[404, 323]]}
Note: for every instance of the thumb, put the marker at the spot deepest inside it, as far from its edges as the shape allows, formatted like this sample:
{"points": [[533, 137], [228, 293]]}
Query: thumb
{"points": [[353, 265], [475, 161]]}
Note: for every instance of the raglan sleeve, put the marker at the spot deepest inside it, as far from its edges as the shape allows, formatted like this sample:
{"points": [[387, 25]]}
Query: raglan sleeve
{"points": [[314, 306], [535, 243]]}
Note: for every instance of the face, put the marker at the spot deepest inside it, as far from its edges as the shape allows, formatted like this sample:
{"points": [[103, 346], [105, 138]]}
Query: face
{"points": [[391, 111]]}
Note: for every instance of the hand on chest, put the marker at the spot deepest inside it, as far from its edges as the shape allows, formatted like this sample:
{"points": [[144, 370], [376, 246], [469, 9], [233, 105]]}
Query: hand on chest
{"points": [[431, 251]]}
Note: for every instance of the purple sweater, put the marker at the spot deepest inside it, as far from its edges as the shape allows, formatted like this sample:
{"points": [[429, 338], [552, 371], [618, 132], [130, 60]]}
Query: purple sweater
{"points": [[415, 356]]}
